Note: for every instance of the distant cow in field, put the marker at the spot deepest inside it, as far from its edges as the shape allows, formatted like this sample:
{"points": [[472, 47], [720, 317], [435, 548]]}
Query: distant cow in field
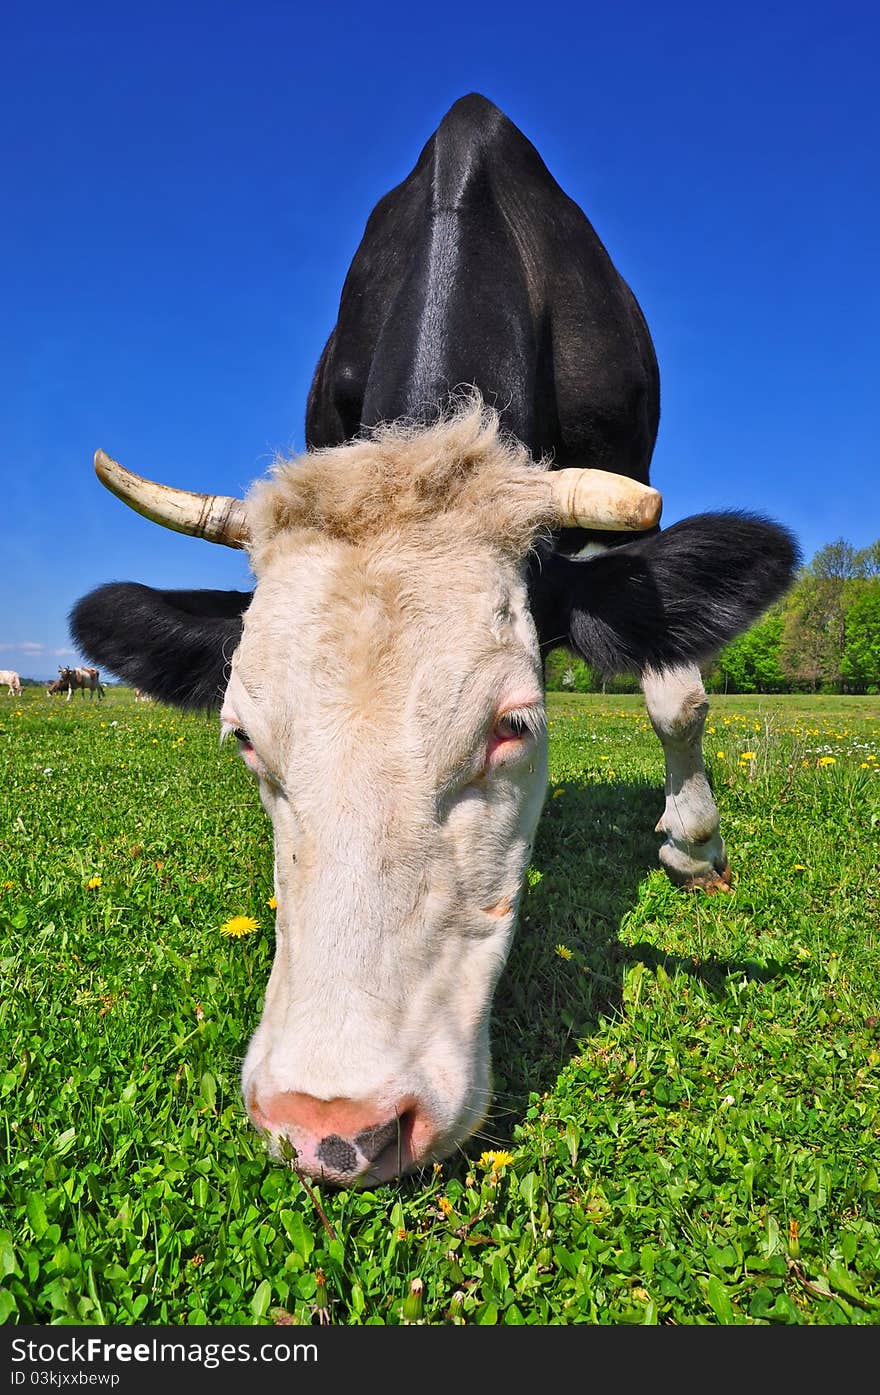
{"points": [[81, 679], [12, 680], [141, 696]]}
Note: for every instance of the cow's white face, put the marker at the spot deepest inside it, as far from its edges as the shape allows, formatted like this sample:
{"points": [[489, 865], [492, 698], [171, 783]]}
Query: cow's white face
{"points": [[393, 707]]}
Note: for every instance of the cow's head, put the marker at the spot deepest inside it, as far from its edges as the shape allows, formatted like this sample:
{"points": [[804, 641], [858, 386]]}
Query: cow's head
{"points": [[397, 731], [384, 684]]}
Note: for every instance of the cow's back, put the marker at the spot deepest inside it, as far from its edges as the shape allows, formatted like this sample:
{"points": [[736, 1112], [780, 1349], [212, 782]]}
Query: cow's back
{"points": [[479, 270]]}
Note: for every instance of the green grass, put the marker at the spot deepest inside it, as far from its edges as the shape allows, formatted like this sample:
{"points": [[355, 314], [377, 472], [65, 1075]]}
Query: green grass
{"points": [[688, 1085]]}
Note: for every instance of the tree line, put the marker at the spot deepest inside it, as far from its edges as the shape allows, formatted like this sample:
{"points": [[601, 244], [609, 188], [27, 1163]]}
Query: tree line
{"points": [[823, 636]]}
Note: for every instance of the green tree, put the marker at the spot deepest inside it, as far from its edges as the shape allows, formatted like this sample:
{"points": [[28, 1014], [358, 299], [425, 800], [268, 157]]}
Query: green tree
{"points": [[750, 663], [868, 560], [860, 662], [836, 561], [813, 631], [565, 672]]}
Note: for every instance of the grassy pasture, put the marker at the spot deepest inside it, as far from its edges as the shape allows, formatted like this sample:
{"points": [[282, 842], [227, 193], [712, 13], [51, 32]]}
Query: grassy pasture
{"points": [[687, 1118]]}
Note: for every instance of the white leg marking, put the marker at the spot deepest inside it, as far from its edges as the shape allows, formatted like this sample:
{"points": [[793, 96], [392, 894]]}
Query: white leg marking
{"points": [[693, 853]]}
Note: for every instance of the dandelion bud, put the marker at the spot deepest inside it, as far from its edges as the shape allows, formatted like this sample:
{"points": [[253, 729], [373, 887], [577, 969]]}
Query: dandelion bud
{"points": [[455, 1311], [321, 1304], [414, 1302], [794, 1242]]}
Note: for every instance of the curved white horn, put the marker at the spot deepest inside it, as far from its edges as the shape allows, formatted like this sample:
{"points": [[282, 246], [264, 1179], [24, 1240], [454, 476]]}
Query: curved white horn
{"points": [[600, 499], [215, 517]]}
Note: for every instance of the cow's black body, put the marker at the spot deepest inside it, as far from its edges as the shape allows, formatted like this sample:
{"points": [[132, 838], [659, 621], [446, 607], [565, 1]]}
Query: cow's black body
{"points": [[478, 271]]}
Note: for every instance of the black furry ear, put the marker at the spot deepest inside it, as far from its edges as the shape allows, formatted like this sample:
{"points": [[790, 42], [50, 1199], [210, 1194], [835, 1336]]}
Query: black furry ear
{"points": [[175, 645], [675, 597]]}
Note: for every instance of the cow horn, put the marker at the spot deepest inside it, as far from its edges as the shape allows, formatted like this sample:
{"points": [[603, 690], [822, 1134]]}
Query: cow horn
{"points": [[215, 517], [600, 499]]}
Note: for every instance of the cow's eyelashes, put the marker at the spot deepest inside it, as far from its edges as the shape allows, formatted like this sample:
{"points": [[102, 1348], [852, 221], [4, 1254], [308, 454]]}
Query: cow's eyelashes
{"points": [[518, 722], [511, 726], [241, 735]]}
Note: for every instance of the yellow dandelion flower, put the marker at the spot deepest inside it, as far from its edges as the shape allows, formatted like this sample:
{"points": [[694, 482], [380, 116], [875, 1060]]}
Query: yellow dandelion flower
{"points": [[557, 793], [445, 1206], [238, 926], [93, 882], [826, 760], [747, 755], [495, 1160], [271, 903], [719, 755], [711, 731], [563, 951], [799, 867], [7, 886]]}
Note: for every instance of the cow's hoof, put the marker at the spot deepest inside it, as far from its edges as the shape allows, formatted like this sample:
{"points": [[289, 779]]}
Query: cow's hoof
{"points": [[697, 866], [711, 881]]}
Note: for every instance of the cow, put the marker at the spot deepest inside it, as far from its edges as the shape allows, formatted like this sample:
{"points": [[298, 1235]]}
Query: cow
{"points": [[474, 492], [81, 679], [141, 696], [12, 682]]}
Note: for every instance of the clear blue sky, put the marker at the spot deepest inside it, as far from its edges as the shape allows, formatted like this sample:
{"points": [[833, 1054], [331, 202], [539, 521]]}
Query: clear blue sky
{"points": [[184, 185]]}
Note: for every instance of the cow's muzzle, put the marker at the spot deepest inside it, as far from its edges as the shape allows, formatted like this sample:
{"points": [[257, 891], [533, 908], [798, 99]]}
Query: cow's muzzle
{"points": [[348, 1142]]}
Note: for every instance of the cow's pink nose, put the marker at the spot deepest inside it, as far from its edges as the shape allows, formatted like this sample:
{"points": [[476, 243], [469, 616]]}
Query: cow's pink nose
{"points": [[343, 1139]]}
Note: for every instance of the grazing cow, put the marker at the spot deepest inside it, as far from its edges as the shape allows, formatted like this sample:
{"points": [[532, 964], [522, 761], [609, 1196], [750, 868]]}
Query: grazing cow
{"points": [[141, 696], [384, 679], [81, 679], [12, 681]]}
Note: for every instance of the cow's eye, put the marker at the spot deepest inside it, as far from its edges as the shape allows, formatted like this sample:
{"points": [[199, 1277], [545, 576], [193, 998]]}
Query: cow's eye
{"points": [[517, 723], [512, 732], [511, 727], [241, 735]]}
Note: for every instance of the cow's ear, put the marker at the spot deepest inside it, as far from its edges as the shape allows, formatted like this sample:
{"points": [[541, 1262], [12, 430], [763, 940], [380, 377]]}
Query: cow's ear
{"points": [[675, 597], [175, 645]]}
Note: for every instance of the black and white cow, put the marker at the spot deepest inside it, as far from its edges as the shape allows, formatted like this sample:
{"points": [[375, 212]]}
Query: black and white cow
{"points": [[479, 430]]}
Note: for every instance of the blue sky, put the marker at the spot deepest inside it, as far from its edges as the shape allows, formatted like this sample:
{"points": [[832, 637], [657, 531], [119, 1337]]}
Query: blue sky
{"points": [[184, 186]]}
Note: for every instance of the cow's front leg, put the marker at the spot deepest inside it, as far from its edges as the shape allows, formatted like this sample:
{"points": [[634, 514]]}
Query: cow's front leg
{"points": [[693, 854]]}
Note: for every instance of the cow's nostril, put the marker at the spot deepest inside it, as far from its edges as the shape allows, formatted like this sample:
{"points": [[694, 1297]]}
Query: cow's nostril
{"points": [[391, 1151], [337, 1153], [372, 1141]]}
